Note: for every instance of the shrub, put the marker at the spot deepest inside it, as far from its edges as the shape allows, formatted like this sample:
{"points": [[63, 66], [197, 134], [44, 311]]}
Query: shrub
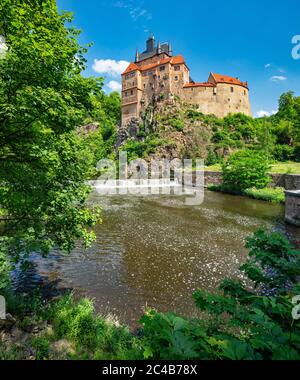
{"points": [[274, 195], [177, 124], [297, 153], [244, 170], [212, 158], [283, 152]]}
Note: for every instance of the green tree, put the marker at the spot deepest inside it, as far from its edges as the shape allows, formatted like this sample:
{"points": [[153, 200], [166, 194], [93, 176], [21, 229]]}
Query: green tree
{"points": [[244, 170], [43, 99]]}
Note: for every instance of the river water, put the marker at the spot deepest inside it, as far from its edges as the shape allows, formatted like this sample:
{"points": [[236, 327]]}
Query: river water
{"points": [[156, 252]]}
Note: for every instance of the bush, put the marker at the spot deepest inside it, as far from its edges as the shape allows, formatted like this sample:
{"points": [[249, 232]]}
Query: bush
{"points": [[274, 195], [283, 153], [244, 170], [177, 124], [297, 153]]}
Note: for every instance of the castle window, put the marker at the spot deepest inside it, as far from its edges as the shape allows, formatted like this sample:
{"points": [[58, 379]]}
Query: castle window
{"points": [[162, 68], [176, 78], [131, 75], [131, 92], [244, 92], [126, 94], [231, 89], [177, 68], [144, 85]]}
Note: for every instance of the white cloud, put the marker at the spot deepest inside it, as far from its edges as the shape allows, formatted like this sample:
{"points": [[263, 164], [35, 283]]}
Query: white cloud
{"points": [[114, 86], [278, 78], [110, 66], [263, 113], [135, 12], [267, 65]]}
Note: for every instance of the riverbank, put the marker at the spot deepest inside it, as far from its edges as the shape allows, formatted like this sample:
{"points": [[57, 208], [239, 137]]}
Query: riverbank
{"points": [[63, 329], [268, 194]]}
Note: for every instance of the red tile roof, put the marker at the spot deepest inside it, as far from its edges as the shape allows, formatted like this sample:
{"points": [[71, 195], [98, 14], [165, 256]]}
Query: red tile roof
{"points": [[205, 84], [131, 67], [177, 60], [229, 80]]}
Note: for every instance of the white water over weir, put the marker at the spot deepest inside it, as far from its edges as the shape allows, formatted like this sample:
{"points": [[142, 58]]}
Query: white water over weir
{"points": [[145, 187]]}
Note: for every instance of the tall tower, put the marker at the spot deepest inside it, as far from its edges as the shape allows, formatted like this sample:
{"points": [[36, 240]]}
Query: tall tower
{"points": [[150, 43]]}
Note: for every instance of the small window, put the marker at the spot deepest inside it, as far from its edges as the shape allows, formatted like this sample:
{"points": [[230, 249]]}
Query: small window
{"points": [[126, 94], [231, 89], [176, 78], [131, 92], [244, 92], [177, 68], [144, 85], [162, 68]]}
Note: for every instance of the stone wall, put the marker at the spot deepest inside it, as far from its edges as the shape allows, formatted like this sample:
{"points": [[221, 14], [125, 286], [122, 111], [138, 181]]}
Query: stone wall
{"points": [[292, 207], [287, 181]]}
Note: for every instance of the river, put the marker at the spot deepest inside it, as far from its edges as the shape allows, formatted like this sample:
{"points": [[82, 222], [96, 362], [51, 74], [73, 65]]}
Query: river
{"points": [[156, 252]]}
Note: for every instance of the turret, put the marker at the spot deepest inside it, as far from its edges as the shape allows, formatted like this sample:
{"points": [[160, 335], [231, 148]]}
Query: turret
{"points": [[137, 56], [170, 50], [159, 50]]}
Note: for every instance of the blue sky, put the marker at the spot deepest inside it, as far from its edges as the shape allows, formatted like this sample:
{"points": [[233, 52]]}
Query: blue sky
{"points": [[251, 40]]}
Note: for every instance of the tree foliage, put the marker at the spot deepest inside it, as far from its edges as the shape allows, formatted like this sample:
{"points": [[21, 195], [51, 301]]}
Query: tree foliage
{"points": [[43, 99], [244, 170]]}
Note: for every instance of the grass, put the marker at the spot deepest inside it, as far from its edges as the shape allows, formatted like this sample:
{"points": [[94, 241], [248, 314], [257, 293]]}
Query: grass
{"points": [[69, 329], [269, 194], [277, 168], [274, 195]]}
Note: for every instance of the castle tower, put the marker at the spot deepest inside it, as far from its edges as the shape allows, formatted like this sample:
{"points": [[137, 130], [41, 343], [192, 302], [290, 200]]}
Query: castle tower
{"points": [[150, 43]]}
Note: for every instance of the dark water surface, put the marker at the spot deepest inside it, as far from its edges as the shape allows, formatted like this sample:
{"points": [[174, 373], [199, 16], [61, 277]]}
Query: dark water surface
{"points": [[156, 252]]}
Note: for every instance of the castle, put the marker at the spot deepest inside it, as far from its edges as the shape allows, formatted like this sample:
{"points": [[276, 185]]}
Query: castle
{"points": [[156, 72]]}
